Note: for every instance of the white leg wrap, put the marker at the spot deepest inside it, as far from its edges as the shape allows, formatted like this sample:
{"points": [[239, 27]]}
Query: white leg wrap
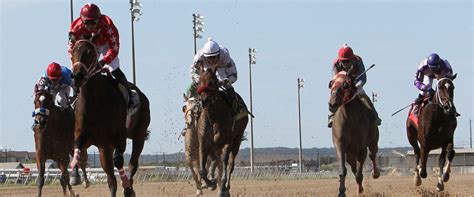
{"points": [[124, 178]]}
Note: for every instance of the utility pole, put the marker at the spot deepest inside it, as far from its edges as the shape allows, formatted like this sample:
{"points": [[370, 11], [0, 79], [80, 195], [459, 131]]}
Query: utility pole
{"points": [[470, 133], [300, 85], [252, 60], [374, 97]]}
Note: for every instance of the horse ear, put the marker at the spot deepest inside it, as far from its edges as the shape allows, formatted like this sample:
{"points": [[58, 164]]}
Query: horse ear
{"points": [[454, 76], [185, 97], [330, 84]]}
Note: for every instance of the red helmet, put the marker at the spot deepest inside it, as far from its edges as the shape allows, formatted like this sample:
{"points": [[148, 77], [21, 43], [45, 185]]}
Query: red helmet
{"points": [[90, 12], [54, 71], [345, 53]]}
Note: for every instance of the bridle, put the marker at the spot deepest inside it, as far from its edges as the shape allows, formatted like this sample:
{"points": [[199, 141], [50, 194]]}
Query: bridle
{"points": [[438, 95]]}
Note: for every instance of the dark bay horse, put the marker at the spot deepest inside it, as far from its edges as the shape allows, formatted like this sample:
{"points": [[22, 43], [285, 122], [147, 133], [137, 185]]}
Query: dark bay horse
{"points": [[101, 117], [54, 137], [353, 130], [435, 129], [218, 132]]}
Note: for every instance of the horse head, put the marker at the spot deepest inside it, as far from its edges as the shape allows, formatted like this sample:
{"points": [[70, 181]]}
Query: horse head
{"points": [[445, 94], [208, 85], [43, 104], [84, 61], [342, 89]]}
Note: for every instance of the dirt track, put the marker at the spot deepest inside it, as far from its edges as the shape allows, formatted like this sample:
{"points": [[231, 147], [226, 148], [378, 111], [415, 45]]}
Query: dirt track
{"points": [[459, 185]]}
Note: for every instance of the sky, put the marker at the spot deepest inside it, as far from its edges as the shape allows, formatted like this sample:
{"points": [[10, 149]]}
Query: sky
{"points": [[293, 38]]}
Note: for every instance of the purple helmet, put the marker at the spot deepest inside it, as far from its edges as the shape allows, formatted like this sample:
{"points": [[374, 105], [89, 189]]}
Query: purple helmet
{"points": [[434, 61]]}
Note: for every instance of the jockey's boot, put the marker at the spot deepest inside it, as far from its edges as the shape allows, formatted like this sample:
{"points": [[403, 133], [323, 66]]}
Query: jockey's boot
{"points": [[120, 77], [330, 117], [417, 103], [230, 94], [365, 99]]}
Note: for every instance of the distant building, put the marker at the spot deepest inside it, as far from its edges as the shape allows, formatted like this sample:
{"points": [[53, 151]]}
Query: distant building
{"points": [[463, 161], [17, 156]]}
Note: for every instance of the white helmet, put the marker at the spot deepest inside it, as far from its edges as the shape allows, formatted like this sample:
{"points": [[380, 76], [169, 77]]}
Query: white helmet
{"points": [[211, 48]]}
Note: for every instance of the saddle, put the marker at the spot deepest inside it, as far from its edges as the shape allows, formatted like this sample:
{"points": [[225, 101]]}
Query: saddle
{"points": [[414, 113], [238, 107]]}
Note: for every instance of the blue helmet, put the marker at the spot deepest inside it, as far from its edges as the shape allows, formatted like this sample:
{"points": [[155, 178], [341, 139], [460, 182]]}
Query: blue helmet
{"points": [[434, 61]]}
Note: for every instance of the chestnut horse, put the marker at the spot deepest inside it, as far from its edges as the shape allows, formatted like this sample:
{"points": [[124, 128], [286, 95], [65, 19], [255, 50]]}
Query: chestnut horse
{"points": [[54, 137], [435, 129], [353, 131], [191, 111], [218, 132], [101, 117]]}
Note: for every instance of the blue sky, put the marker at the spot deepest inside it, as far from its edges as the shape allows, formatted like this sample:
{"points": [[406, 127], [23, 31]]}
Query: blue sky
{"points": [[293, 38]]}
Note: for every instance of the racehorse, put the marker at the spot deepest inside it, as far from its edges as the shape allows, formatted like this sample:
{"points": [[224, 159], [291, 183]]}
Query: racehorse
{"points": [[54, 137], [191, 111], [353, 130], [101, 114], [219, 132], [434, 128]]}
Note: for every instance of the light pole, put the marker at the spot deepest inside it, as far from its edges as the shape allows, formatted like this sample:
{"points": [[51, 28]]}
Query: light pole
{"points": [[374, 97], [198, 27], [156, 157], [135, 13], [300, 85], [470, 134], [252, 60], [72, 13]]}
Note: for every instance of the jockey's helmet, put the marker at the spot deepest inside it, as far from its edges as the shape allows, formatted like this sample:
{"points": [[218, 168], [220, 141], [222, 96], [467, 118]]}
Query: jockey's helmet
{"points": [[54, 71], [434, 61], [345, 53], [90, 12], [211, 48]]}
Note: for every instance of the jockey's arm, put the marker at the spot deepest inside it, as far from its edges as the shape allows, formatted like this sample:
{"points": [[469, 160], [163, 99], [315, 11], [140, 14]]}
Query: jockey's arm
{"points": [[360, 69], [194, 71], [229, 73], [113, 42]]}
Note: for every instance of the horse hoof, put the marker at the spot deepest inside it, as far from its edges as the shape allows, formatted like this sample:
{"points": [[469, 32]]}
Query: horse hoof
{"points": [[375, 174], [440, 187], [423, 174], [86, 184], [445, 177], [341, 195], [75, 180], [199, 192], [224, 193], [360, 189], [213, 186], [417, 181], [128, 192]]}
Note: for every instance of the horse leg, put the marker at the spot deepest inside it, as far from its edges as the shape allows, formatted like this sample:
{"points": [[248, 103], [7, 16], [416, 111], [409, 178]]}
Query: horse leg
{"points": [[361, 156], [64, 180], [412, 138], [136, 151], [341, 154], [424, 158], [40, 165], [84, 159], [441, 162], [204, 149], [108, 167], [118, 163], [214, 160], [451, 153], [233, 154], [373, 149], [79, 146], [197, 179], [224, 190], [75, 178]]}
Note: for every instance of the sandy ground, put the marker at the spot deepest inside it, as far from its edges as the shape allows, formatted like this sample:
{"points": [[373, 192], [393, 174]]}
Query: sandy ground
{"points": [[459, 185]]}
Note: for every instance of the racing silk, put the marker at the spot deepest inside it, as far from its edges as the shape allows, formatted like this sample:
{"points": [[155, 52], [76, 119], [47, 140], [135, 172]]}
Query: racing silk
{"points": [[106, 42], [226, 70], [62, 91], [357, 70], [424, 75]]}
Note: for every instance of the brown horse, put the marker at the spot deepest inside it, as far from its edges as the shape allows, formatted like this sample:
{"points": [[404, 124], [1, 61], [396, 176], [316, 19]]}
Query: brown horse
{"points": [[101, 117], [191, 111], [54, 137], [434, 130], [353, 131], [218, 132]]}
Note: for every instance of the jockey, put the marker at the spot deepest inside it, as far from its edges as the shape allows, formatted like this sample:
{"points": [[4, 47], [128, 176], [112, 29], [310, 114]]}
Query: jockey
{"points": [[92, 22], [348, 60], [214, 56], [57, 81], [431, 67]]}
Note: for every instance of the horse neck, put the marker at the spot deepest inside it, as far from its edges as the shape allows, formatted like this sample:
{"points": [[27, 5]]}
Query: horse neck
{"points": [[217, 106], [352, 108]]}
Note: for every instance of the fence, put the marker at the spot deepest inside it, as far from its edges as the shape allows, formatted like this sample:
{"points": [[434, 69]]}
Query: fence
{"points": [[151, 174]]}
